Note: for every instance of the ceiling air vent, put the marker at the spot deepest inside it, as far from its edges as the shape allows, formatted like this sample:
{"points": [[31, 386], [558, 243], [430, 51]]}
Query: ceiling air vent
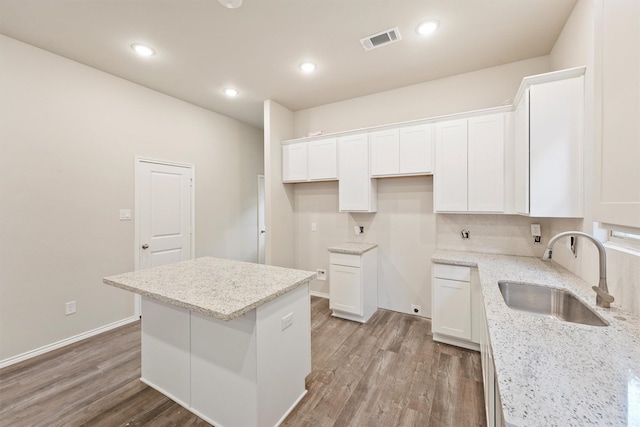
{"points": [[381, 39]]}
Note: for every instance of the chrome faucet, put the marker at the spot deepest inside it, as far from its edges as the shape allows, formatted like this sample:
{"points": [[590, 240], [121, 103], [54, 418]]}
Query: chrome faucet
{"points": [[603, 298]]}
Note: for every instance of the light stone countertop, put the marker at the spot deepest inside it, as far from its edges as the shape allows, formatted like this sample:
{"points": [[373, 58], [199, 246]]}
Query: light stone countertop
{"points": [[550, 372], [352, 248], [215, 287]]}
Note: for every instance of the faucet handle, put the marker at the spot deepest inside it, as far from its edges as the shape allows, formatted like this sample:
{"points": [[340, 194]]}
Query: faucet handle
{"points": [[604, 296]]}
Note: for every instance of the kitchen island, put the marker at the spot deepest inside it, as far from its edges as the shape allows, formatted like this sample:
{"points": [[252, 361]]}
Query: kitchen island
{"points": [[228, 340]]}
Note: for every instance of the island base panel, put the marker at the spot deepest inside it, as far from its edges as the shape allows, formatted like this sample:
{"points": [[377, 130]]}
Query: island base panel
{"points": [[247, 371]]}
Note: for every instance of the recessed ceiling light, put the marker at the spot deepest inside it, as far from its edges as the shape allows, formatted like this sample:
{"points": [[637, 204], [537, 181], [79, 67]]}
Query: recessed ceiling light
{"points": [[308, 67], [427, 27], [143, 50], [231, 4], [231, 92]]}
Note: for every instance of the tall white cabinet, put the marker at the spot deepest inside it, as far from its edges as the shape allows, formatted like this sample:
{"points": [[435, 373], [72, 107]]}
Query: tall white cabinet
{"points": [[617, 114], [548, 145]]}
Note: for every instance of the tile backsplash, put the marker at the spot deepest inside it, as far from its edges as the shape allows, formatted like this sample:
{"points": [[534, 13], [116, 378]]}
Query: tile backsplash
{"points": [[497, 234]]}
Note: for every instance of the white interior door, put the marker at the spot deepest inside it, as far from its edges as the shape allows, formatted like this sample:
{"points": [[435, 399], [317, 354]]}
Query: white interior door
{"points": [[262, 231], [164, 214]]}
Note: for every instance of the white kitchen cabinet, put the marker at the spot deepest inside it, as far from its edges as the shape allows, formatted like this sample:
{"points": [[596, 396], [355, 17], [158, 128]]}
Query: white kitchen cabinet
{"points": [[492, 402], [548, 146], [353, 290], [456, 299], [416, 149], [385, 152], [357, 192], [402, 151], [617, 115], [485, 163], [450, 177], [310, 161], [469, 173], [322, 158], [294, 163]]}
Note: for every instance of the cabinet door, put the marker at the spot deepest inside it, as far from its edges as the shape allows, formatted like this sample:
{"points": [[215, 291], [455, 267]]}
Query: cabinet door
{"points": [[450, 177], [385, 152], [294, 162], [486, 163], [323, 160], [617, 67], [452, 308], [345, 291], [555, 148], [356, 190], [416, 149], [521, 155]]}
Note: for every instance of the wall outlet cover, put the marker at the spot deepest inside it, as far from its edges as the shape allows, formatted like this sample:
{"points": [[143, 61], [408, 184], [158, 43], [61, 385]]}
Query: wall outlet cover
{"points": [[321, 274]]}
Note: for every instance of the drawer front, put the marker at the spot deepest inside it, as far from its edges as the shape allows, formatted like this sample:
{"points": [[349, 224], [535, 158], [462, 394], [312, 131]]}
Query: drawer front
{"points": [[345, 259], [452, 272]]}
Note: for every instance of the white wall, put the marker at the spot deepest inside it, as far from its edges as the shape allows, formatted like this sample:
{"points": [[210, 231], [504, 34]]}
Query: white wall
{"points": [[575, 47], [68, 138], [404, 226], [486, 88], [279, 200]]}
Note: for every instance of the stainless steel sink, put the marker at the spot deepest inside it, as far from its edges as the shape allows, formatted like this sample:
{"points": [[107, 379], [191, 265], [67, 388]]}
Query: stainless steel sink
{"points": [[549, 302]]}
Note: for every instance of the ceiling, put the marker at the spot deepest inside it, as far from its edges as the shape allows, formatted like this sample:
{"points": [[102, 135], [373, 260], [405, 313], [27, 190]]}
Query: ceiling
{"points": [[203, 47]]}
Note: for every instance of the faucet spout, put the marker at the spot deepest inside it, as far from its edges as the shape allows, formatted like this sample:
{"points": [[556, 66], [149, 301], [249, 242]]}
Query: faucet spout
{"points": [[603, 298]]}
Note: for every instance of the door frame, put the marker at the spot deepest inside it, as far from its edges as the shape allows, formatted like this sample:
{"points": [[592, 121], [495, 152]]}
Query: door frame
{"points": [[261, 178], [136, 209]]}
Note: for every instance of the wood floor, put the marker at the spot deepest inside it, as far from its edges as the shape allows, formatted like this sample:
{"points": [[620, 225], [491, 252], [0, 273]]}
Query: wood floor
{"points": [[387, 372]]}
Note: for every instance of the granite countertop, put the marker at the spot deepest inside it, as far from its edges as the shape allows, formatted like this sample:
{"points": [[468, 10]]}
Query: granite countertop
{"points": [[352, 248], [550, 372], [215, 287]]}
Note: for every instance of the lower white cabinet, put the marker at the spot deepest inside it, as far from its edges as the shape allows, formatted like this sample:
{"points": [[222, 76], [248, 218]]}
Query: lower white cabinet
{"points": [[492, 402], [353, 290], [457, 301]]}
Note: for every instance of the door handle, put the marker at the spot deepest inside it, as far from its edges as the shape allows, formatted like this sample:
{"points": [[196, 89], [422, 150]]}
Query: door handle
{"points": [[145, 246]]}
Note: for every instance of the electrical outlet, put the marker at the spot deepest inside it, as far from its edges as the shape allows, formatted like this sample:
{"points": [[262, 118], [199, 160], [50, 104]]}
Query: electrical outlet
{"points": [[321, 274], [416, 309], [287, 321], [69, 308], [358, 229]]}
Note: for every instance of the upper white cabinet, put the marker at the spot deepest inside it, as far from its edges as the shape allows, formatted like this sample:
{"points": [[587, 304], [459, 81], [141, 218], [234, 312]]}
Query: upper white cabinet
{"points": [[310, 161], [485, 163], [402, 151], [357, 192], [470, 171], [548, 147], [617, 96], [450, 178], [294, 163], [323, 160]]}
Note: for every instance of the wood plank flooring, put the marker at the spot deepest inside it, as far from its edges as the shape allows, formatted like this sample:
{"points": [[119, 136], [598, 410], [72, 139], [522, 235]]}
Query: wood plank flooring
{"points": [[388, 372]]}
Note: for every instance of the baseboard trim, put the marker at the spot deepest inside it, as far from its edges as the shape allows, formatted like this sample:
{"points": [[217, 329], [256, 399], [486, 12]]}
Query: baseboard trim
{"points": [[458, 342], [56, 345], [319, 294]]}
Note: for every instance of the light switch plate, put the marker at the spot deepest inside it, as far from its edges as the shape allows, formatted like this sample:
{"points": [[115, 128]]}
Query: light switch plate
{"points": [[125, 214]]}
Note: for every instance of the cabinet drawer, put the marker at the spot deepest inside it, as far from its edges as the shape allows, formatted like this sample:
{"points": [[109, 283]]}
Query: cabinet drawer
{"points": [[452, 272], [345, 259]]}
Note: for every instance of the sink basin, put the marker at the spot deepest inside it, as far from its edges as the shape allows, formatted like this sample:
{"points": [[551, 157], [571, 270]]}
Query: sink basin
{"points": [[549, 302]]}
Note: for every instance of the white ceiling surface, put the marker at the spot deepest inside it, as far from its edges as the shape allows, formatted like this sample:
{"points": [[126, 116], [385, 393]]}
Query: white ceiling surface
{"points": [[203, 47]]}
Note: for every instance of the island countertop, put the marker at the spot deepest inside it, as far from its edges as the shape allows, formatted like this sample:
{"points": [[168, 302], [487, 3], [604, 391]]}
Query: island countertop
{"points": [[550, 372], [219, 288]]}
